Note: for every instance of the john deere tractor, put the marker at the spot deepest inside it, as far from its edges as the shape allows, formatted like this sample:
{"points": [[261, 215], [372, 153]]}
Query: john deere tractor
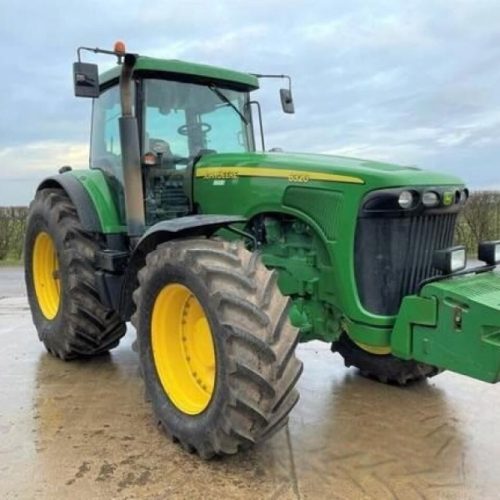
{"points": [[224, 257]]}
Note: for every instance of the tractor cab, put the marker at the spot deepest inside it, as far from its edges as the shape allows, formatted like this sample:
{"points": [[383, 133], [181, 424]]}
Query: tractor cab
{"points": [[178, 122], [182, 111]]}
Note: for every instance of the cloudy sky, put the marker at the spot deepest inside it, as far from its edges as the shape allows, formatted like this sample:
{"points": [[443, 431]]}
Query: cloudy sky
{"points": [[412, 82]]}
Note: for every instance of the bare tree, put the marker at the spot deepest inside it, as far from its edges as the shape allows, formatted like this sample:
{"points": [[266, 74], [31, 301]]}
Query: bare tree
{"points": [[480, 220]]}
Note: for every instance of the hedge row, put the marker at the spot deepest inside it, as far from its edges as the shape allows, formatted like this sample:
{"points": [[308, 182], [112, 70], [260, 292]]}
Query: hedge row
{"points": [[12, 226], [480, 221]]}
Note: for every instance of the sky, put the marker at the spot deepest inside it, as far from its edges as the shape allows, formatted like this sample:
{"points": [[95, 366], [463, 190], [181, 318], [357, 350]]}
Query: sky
{"points": [[408, 82]]}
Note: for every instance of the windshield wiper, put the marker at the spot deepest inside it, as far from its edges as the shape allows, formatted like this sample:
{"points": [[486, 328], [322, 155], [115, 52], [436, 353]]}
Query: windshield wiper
{"points": [[222, 97]]}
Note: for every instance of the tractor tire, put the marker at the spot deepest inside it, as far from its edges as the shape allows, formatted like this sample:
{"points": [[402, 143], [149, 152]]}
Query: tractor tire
{"points": [[384, 368], [60, 280], [216, 346]]}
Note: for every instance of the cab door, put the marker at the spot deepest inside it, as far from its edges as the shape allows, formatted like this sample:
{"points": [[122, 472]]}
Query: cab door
{"points": [[105, 146]]}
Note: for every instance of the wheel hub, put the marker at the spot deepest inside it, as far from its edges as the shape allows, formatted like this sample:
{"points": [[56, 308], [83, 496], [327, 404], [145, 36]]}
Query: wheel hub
{"points": [[46, 275], [183, 349]]}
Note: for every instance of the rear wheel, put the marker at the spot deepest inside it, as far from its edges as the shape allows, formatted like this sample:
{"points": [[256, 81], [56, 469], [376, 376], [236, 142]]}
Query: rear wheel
{"points": [[216, 346], [60, 280], [380, 365]]}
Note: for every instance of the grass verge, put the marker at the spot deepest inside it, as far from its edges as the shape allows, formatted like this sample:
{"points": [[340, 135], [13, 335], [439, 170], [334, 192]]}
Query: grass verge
{"points": [[10, 262]]}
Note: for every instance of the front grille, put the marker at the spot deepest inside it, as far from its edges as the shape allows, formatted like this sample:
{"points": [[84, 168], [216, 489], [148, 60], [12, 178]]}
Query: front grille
{"points": [[394, 254]]}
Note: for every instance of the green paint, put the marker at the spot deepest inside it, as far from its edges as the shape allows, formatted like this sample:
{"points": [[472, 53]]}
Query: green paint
{"points": [[305, 274], [307, 206], [373, 173], [328, 209], [176, 67], [414, 311], [464, 335], [104, 200]]}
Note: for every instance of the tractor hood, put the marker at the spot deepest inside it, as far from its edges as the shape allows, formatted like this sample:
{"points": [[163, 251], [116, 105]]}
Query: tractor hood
{"points": [[305, 167]]}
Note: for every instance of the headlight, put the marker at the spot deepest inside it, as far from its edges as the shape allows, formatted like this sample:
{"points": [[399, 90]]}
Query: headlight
{"points": [[406, 199], [413, 199], [489, 252], [430, 199], [450, 260]]}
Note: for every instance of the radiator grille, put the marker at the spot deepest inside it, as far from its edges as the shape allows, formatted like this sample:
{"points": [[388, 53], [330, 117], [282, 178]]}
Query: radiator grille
{"points": [[393, 255]]}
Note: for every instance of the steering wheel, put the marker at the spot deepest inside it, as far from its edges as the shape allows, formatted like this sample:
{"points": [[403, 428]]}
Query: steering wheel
{"points": [[160, 146], [184, 129]]}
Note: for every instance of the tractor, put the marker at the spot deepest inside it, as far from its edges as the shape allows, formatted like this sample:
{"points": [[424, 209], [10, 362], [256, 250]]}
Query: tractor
{"points": [[225, 255]]}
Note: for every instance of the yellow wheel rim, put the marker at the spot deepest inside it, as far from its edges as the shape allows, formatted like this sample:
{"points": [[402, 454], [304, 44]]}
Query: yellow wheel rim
{"points": [[374, 349], [46, 275], [183, 349]]}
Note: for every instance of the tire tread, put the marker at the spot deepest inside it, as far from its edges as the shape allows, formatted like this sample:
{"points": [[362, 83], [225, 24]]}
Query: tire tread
{"points": [[262, 367], [90, 328]]}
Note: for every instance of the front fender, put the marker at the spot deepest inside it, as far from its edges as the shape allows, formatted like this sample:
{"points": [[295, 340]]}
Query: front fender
{"points": [[189, 226], [183, 227]]}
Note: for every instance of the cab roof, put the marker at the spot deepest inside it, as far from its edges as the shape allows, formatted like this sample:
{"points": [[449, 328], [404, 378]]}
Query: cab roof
{"points": [[174, 67]]}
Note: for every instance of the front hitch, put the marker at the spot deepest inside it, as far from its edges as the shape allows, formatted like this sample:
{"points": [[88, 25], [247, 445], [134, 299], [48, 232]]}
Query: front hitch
{"points": [[453, 324]]}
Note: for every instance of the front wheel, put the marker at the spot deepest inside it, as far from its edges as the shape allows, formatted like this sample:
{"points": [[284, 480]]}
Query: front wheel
{"points": [[383, 367], [217, 349]]}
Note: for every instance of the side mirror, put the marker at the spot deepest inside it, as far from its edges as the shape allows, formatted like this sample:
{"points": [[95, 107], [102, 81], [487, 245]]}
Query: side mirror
{"points": [[287, 101], [86, 79]]}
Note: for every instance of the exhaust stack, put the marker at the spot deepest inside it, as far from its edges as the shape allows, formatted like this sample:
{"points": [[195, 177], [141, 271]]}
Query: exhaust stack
{"points": [[131, 159]]}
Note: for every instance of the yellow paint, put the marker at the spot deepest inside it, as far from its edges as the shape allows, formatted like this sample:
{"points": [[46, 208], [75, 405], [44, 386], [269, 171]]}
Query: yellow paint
{"points": [[45, 275], [183, 349], [300, 176], [374, 349]]}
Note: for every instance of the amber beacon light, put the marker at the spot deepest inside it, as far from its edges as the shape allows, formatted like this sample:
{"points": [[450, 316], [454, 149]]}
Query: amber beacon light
{"points": [[119, 47]]}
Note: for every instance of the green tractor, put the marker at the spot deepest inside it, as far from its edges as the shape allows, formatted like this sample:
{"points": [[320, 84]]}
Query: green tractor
{"points": [[225, 257]]}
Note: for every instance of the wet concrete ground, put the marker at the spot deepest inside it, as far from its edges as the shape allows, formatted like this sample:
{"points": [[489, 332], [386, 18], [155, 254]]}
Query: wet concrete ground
{"points": [[83, 430]]}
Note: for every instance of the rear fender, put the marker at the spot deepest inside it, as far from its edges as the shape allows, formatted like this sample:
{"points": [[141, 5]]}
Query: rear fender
{"points": [[79, 196], [93, 198]]}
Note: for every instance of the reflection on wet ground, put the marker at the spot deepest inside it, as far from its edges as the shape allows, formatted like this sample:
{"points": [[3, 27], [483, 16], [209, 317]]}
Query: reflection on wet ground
{"points": [[83, 430]]}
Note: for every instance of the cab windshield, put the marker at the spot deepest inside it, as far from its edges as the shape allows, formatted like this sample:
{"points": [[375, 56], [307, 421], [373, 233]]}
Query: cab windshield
{"points": [[182, 120]]}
